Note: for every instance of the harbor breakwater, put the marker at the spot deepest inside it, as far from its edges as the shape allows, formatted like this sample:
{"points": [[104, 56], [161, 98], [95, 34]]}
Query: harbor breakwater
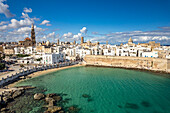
{"points": [[153, 64]]}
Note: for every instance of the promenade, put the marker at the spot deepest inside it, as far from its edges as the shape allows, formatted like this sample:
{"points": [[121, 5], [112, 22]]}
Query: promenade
{"points": [[13, 76]]}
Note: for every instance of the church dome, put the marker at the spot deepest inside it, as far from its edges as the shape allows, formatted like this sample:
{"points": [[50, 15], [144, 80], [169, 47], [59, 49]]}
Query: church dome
{"points": [[27, 39], [130, 40]]}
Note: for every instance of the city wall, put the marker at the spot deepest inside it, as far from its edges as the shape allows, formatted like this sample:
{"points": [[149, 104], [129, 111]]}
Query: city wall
{"points": [[154, 64]]}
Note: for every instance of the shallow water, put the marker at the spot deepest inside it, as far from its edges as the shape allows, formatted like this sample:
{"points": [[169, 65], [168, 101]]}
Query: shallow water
{"points": [[108, 90]]}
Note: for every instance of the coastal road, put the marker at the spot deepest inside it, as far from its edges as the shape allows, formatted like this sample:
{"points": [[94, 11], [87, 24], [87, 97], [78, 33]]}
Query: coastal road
{"points": [[12, 70]]}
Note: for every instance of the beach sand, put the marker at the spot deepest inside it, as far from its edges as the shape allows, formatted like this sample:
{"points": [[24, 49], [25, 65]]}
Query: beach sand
{"points": [[36, 74]]}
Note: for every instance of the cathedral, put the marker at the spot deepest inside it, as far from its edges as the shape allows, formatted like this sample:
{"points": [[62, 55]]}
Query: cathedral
{"points": [[27, 41]]}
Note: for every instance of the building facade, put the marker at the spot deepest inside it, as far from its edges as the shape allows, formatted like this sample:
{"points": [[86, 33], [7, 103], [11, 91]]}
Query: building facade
{"points": [[52, 58]]}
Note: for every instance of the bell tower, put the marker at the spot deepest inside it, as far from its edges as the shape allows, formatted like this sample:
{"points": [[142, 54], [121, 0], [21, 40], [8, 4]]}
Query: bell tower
{"points": [[82, 40], [33, 35]]}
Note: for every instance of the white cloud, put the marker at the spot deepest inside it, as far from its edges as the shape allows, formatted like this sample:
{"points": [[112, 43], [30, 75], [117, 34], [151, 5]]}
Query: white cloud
{"points": [[149, 38], [27, 21], [26, 31], [36, 19], [83, 30], [144, 38], [45, 22], [51, 35], [16, 24], [26, 10], [4, 27], [23, 30], [4, 9], [24, 15], [16, 30], [102, 39], [68, 35], [78, 36], [162, 36], [3, 22], [38, 29]]}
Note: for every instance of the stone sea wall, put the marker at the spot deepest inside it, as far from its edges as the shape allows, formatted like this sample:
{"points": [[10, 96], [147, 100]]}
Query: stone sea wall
{"points": [[154, 64]]}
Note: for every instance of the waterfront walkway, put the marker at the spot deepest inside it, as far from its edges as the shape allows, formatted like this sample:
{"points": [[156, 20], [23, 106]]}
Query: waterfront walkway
{"points": [[9, 77]]}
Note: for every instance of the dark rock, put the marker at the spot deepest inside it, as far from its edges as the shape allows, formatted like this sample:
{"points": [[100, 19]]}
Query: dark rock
{"points": [[86, 96], [89, 100], [91, 110], [119, 106], [1, 99], [7, 93], [39, 96], [48, 99], [57, 98], [46, 111], [131, 106], [51, 95], [145, 104], [61, 112], [17, 93], [44, 90], [64, 94], [29, 87], [12, 112], [51, 103], [3, 109], [54, 109], [5, 99], [73, 109]]}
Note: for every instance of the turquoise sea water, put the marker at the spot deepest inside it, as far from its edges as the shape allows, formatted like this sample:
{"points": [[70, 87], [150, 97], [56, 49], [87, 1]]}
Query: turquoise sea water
{"points": [[111, 90]]}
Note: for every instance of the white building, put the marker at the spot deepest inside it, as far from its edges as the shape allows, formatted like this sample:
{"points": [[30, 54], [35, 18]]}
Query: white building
{"points": [[153, 54], [52, 58], [25, 60], [25, 50], [109, 52]]}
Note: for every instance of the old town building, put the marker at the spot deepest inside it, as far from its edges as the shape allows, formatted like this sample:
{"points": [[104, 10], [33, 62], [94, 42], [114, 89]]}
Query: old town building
{"points": [[27, 41]]}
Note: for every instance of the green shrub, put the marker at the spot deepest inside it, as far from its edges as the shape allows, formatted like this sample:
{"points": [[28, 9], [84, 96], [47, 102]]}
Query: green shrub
{"points": [[21, 65], [39, 59], [2, 66], [22, 55]]}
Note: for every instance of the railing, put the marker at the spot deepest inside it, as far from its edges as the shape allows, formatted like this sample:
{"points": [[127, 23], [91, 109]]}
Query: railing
{"points": [[14, 77]]}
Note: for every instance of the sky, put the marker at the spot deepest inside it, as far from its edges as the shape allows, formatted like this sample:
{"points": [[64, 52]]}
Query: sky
{"points": [[96, 20]]}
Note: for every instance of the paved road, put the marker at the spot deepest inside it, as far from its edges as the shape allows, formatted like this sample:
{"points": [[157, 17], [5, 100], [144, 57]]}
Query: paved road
{"points": [[14, 69]]}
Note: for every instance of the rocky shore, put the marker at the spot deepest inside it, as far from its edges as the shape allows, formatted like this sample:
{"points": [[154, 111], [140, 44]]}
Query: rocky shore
{"points": [[10, 94], [55, 103], [50, 103]]}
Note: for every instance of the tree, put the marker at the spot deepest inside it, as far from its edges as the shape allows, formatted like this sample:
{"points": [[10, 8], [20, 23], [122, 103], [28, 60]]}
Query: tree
{"points": [[2, 66]]}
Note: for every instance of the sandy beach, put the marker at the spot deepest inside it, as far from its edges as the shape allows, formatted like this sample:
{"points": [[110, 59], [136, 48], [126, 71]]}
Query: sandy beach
{"points": [[36, 74]]}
